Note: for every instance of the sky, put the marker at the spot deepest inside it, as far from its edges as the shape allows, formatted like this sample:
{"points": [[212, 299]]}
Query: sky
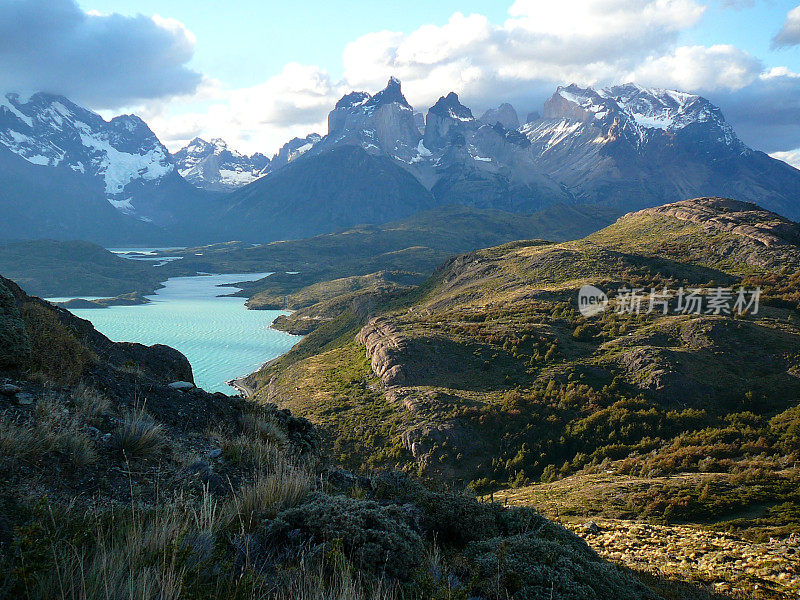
{"points": [[257, 73]]}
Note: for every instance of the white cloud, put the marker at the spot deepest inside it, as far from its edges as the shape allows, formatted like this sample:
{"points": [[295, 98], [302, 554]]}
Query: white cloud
{"points": [[521, 60], [103, 60], [789, 35], [700, 68], [607, 18], [582, 41], [791, 157], [261, 118]]}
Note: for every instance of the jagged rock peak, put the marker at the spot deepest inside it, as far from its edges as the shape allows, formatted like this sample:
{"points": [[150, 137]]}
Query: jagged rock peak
{"points": [[352, 99], [295, 148], [391, 93], [450, 107], [505, 114]]}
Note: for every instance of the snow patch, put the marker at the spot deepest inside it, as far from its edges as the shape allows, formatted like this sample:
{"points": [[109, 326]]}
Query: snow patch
{"points": [[123, 206], [5, 102], [120, 168]]}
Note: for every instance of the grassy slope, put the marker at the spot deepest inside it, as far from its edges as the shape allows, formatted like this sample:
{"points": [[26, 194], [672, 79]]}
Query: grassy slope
{"points": [[507, 385]]}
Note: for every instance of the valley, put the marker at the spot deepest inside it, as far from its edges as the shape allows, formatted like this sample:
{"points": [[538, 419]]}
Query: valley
{"points": [[427, 353]]}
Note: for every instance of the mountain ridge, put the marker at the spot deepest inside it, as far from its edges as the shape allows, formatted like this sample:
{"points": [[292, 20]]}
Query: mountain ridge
{"points": [[625, 147], [215, 167]]}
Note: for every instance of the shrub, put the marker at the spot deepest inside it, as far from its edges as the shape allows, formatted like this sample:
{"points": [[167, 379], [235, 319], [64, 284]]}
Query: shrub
{"points": [[374, 538], [550, 563], [56, 353]]}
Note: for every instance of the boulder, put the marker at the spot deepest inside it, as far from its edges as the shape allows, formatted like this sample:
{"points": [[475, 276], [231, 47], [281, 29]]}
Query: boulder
{"points": [[591, 527], [9, 389], [181, 385]]}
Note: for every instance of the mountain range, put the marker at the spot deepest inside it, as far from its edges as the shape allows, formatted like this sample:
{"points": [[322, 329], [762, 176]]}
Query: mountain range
{"points": [[67, 173]]}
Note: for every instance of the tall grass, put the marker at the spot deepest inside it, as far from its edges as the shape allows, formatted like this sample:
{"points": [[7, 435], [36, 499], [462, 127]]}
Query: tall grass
{"points": [[269, 494], [125, 553], [138, 435], [52, 428]]}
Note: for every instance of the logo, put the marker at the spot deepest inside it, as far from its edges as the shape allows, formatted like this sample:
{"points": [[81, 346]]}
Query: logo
{"points": [[591, 301]]}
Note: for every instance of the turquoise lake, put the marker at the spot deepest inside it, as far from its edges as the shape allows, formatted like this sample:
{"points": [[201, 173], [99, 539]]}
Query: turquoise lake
{"points": [[220, 337]]}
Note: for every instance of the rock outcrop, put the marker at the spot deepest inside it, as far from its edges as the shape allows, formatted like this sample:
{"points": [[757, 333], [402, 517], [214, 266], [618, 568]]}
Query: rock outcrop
{"points": [[385, 345], [742, 218]]}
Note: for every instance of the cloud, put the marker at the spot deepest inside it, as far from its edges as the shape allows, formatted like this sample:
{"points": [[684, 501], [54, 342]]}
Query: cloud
{"points": [[521, 60], [792, 157], [766, 112], [101, 60], [789, 35], [261, 118], [700, 68], [581, 41], [588, 42]]}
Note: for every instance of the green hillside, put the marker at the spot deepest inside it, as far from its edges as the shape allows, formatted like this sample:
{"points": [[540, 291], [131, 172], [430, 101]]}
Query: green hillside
{"points": [[488, 375]]}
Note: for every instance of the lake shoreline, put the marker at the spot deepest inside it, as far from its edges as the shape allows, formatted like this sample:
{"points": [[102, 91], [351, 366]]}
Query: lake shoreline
{"points": [[223, 340]]}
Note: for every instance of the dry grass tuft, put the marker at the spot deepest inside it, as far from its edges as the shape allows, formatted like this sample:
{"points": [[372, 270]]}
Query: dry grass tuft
{"points": [[268, 495], [138, 435], [52, 429]]}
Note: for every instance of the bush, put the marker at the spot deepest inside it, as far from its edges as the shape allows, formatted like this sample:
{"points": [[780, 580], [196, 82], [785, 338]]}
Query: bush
{"points": [[550, 563], [374, 538], [56, 354]]}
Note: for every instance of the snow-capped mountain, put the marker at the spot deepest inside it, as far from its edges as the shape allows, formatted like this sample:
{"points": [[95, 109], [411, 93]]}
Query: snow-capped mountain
{"points": [[381, 124], [122, 156], [215, 167], [67, 173], [626, 145], [454, 155], [632, 146], [448, 123], [632, 115]]}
